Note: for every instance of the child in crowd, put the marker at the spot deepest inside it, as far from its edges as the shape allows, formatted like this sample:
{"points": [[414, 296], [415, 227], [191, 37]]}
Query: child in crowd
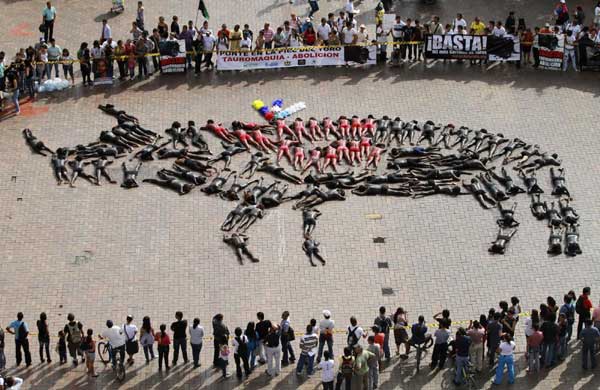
{"points": [[61, 347]]}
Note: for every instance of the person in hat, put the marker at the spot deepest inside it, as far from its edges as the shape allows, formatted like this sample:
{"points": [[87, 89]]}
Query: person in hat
{"points": [[363, 36], [326, 327]]}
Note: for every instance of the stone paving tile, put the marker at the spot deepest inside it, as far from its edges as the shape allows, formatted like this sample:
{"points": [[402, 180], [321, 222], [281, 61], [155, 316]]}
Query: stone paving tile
{"points": [[153, 252]]}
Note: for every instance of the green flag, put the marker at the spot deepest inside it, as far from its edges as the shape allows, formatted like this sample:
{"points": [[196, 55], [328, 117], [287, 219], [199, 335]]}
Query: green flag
{"points": [[202, 8]]}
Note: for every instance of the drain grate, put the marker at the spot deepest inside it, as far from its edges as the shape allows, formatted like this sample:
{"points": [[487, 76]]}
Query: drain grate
{"points": [[387, 291], [383, 265], [379, 240]]}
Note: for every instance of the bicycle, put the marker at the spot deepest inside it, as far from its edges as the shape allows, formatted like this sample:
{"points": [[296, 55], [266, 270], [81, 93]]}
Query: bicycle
{"points": [[421, 349], [468, 373], [105, 352]]}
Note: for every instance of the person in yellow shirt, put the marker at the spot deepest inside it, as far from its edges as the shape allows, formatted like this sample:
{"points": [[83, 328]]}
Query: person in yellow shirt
{"points": [[477, 26]]}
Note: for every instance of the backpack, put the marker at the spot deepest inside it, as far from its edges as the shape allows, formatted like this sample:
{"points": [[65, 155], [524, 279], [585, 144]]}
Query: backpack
{"points": [[579, 305], [347, 367], [242, 346], [22, 331], [84, 346], [74, 333], [383, 324], [352, 337], [290, 334]]}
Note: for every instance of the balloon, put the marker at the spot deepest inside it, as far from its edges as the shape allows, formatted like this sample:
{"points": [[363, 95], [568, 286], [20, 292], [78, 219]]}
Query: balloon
{"points": [[269, 116], [258, 104], [263, 110], [277, 102]]}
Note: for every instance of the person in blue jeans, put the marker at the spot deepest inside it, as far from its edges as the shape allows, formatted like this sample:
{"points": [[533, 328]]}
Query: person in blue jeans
{"points": [[314, 7], [589, 337], [461, 345], [507, 353], [308, 348], [179, 329]]}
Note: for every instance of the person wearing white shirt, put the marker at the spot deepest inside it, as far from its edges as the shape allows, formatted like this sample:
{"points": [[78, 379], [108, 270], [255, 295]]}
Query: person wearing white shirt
{"points": [[323, 31], [355, 333], [597, 15], [109, 42], [130, 331], [459, 21], [363, 36], [341, 21], [208, 44], [435, 26], [350, 10], [506, 351], [196, 339], [246, 43], [11, 383], [349, 34], [240, 352], [499, 30], [327, 371], [106, 31], [116, 338], [570, 51]]}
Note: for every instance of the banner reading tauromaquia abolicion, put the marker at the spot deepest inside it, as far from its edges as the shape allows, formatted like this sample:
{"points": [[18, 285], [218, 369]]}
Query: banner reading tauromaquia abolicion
{"points": [[456, 47], [296, 57]]}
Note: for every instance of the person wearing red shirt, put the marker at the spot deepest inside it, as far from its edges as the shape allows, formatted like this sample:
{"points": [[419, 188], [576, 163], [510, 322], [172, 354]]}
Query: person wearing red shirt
{"points": [[310, 36], [379, 336], [583, 307], [163, 341]]}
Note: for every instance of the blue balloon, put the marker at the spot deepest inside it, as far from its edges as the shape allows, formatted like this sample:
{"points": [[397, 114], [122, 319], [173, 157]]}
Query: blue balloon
{"points": [[277, 102], [263, 110]]}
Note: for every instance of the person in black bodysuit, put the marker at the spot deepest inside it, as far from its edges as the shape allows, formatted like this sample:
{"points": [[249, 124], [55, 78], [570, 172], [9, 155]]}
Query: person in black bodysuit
{"points": [[437, 174], [321, 197], [410, 162], [477, 140], [177, 134], [462, 137], [477, 190], [131, 136], [103, 150], [235, 189], [249, 216], [175, 153], [100, 169], [502, 239], [185, 174], [493, 141], [531, 183], [434, 189], [305, 193], [274, 197], [444, 136], [428, 133], [111, 138], [134, 127], [309, 220], [171, 183], [498, 194], [35, 144], [380, 189], [196, 166], [395, 132], [506, 181], [233, 217], [60, 169], [572, 247], [381, 130], [256, 159], [544, 160], [408, 131], [415, 151], [555, 240], [347, 183], [552, 214], [253, 196], [538, 208], [110, 110], [216, 185], [145, 154], [508, 150], [527, 152], [77, 166], [311, 248], [228, 152], [325, 177], [279, 172], [558, 182], [239, 243], [507, 216], [569, 214], [196, 137], [130, 176]]}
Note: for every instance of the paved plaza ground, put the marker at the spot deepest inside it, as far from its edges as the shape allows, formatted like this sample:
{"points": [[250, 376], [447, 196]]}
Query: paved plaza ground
{"points": [[104, 252]]}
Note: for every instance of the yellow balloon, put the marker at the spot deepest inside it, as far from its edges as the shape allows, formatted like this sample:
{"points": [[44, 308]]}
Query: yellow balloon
{"points": [[258, 104]]}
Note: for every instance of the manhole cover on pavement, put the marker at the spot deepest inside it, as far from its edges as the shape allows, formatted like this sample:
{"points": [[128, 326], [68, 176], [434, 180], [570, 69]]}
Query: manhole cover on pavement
{"points": [[387, 291]]}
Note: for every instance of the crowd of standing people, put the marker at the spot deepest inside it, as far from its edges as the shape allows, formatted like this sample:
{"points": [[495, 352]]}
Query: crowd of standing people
{"points": [[488, 341]]}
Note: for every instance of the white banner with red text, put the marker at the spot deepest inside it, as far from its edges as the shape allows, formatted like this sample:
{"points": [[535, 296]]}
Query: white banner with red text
{"points": [[296, 57]]}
